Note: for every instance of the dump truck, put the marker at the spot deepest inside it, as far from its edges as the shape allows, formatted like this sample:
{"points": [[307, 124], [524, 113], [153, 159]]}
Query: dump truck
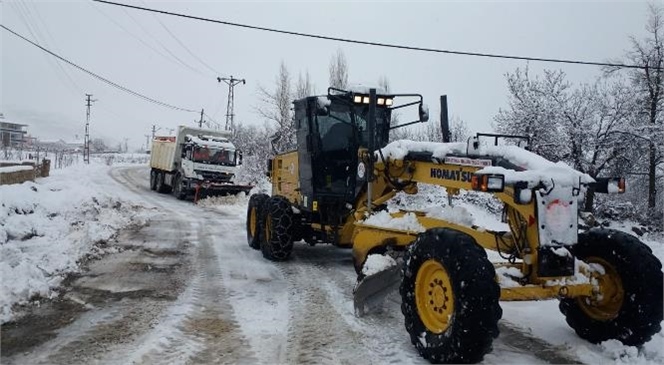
{"points": [[198, 162], [334, 189]]}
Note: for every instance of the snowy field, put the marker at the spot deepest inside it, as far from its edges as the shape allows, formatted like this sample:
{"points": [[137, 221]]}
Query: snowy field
{"points": [[224, 302]]}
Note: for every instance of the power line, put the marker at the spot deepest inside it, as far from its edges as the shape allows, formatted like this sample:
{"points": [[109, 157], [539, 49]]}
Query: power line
{"points": [[175, 57], [184, 45], [23, 12], [380, 44], [146, 44], [105, 80]]}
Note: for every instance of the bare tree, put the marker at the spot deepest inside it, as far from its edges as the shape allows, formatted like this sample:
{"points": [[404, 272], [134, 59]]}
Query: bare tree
{"points": [[276, 108], [304, 86], [339, 70], [98, 145], [459, 131]]}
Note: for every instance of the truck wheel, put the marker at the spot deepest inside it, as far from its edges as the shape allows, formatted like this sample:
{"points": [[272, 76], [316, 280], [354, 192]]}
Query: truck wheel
{"points": [[256, 203], [159, 184], [178, 191], [630, 309], [153, 180], [277, 224], [450, 297]]}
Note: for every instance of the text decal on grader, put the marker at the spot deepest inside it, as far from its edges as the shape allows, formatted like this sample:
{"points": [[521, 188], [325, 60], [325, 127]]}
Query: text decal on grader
{"points": [[458, 175]]}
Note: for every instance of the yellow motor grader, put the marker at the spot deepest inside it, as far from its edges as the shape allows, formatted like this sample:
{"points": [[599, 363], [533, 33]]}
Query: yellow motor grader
{"points": [[334, 189]]}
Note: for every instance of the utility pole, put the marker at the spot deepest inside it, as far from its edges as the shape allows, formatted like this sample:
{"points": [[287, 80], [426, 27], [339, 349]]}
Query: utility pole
{"points": [[86, 141], [231, 82], [200, 122], [154, 132]]}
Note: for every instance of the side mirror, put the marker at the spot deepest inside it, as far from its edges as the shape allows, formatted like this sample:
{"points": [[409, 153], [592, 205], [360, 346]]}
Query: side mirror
{"points": [[610, 185], [238, 157], [424, 112]]}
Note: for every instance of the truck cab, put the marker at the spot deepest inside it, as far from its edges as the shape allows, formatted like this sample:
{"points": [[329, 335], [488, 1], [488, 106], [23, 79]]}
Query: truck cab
{"points": [[195, 161], [209, 158]]}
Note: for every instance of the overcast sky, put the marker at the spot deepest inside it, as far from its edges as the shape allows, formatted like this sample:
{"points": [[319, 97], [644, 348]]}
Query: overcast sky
{"points": [[131, 48]]}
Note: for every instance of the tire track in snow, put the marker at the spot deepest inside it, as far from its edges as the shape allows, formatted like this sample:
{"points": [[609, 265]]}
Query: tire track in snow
{"points": [[206, 332], [381, 334]]}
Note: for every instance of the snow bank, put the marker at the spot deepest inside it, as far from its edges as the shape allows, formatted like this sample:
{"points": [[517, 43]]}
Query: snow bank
{"points": [[48, 226]]}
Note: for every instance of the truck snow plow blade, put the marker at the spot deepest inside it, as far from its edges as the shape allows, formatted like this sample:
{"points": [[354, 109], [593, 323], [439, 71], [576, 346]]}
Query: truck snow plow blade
{"points": [[369, 293], [206, 190]]}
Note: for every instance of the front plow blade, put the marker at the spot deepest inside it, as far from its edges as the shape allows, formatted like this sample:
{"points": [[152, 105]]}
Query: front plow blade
{"points": [[370, 292]]}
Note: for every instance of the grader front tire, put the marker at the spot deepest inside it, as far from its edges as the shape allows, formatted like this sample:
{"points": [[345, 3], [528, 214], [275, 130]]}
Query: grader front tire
{"points": [[254, 211], [450, 298], [630, 309], [277, 222]]}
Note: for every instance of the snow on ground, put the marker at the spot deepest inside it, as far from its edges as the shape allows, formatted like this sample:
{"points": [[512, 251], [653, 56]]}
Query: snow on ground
{"points": [[49, 226]]}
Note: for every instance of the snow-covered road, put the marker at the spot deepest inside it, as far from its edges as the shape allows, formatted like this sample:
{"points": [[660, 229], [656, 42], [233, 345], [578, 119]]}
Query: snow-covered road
{"points": [[186, 288]]}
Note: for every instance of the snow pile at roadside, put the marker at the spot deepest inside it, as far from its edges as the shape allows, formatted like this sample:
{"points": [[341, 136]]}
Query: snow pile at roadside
{"points": [[47, 227]]}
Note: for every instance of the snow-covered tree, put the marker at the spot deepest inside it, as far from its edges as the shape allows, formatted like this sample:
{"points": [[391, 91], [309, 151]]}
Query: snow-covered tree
{"points": [[647, 129], [576, 125], [254, 142], [532, 112]]}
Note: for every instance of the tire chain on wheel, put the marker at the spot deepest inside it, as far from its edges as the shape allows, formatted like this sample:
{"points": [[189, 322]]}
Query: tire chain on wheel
{"points": [[640, 271], [256, 202], [476, 298], [280, 212]]}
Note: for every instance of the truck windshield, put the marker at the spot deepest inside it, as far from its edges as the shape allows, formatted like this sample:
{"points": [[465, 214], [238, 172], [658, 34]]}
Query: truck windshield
{"points": [[213, 156]]}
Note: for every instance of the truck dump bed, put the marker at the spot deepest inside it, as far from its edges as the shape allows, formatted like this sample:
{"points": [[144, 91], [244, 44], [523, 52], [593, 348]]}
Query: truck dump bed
{"points": [[163, 152]]}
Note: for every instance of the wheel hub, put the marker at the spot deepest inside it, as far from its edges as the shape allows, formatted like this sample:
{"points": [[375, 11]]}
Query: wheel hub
{"points": [[252, 221], [607, 303], [434, 297]]}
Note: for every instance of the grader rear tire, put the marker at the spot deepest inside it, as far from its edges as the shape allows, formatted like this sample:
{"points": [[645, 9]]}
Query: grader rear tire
{"points": [[631, 307], [254, 211], [450, 297], [277, 223]]}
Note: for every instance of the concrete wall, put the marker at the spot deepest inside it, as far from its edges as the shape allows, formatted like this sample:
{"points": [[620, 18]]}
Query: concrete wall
{"points": [[17, 177]]}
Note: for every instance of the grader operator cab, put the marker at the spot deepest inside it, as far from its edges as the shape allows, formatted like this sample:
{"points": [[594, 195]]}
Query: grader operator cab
{"points": [[334, 189]]}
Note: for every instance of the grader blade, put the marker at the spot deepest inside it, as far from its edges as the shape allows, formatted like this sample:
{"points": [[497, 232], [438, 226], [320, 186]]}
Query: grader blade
{"points": [[369, 293]]}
